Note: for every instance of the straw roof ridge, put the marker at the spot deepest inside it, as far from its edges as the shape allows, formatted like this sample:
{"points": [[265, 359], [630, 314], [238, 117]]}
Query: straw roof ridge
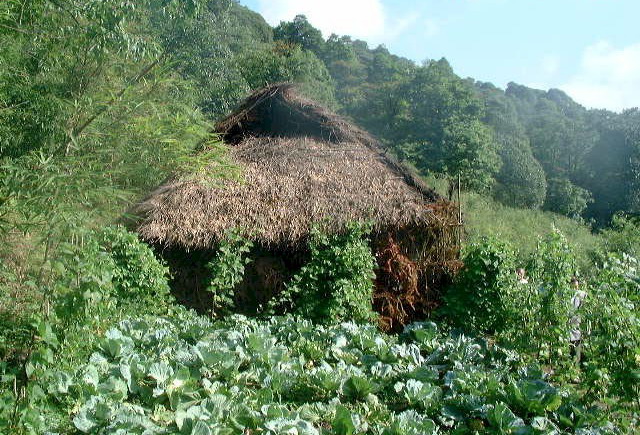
{"points": [[241, 123]]}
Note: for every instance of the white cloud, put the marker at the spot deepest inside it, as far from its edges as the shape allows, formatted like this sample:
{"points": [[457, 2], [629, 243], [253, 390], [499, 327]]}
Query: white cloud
{"points": [[362, 19], [431, 27], [609, 77], [394, 28], [550, 64]]}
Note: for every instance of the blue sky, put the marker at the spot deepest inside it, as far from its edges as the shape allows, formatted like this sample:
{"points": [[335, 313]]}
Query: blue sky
{"points": [[588, 48]]}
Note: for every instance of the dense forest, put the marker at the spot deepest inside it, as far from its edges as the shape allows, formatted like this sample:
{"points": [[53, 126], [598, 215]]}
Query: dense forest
{"points": [[102, 100]]}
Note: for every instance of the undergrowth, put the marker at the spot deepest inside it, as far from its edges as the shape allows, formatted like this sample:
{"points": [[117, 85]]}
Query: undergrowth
{"points": [[105, 277], [522, 228], [109, 352], [538, 315], [336, 283]]}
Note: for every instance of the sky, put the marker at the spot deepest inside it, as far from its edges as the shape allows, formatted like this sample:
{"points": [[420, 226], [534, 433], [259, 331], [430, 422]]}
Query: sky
{"points": [[588, 48]]}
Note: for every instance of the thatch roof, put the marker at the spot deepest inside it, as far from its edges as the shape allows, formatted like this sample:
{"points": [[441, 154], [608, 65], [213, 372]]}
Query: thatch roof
{"points": [[301, 164]]}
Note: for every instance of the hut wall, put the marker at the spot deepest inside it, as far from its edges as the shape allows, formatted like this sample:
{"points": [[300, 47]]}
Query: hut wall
{"points": [[414, 265], [189, 276], [264, 277]]}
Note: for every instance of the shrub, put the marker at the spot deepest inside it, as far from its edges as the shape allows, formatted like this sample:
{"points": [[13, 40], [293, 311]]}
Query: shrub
{"points": [[481, 298], [111, 267], [566, 198], [109, 276], [227, 271], [612, 342], [624, 235], [337, 282], [106, 276], [83, 282], [137, 274]]}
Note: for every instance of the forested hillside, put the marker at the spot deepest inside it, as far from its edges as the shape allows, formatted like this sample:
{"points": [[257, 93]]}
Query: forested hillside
{"points": [[103, 100]]}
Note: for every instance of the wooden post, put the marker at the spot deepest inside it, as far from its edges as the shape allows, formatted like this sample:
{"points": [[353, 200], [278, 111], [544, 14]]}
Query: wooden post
{"points": [[459, 214]]}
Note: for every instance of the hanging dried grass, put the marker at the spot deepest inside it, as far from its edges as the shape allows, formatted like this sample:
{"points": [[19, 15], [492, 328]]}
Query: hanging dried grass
{"points": [[396, 286], [414, 264]]}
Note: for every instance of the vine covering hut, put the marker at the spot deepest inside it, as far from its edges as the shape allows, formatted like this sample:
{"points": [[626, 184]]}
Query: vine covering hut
{"points": [[302, 165]]}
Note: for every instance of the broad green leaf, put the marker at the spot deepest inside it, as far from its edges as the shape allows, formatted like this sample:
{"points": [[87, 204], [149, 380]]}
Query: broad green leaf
{"points": [[503, 420], [343, 423], [200, 428]]}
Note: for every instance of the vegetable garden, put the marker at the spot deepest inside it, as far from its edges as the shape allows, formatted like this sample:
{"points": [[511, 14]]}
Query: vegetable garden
{"points": [[288, 376]]}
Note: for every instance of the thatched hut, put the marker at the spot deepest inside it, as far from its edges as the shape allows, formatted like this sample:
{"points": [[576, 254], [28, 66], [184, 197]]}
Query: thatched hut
{"points": [[302, 164]]}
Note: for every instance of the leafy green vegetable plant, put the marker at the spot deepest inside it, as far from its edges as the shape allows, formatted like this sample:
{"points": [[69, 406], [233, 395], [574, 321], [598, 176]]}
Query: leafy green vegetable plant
{"points": [[185, 374]]}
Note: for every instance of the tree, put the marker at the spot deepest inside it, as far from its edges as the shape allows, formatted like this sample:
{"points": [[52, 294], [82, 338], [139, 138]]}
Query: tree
{"points": [[300, 32], [385, 67], [560, 143], [277, 63], [206, 51], [566, 198], [611, 169], [347, 71], [521, 181], [338, 49], [444, 127]]}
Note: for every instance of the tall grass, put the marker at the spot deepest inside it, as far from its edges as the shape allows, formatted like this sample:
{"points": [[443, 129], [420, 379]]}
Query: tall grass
{"points": [[484, 217]]}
